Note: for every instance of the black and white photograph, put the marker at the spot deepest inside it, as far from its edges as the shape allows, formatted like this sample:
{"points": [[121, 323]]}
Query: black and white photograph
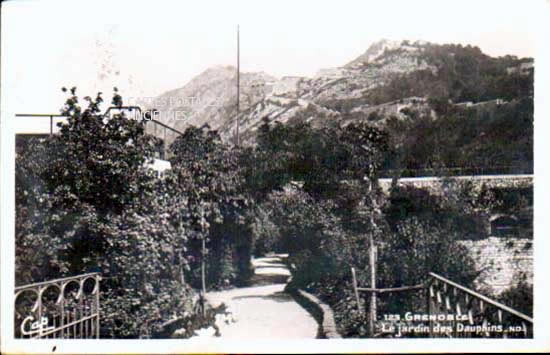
{"points": [[268, 177]]}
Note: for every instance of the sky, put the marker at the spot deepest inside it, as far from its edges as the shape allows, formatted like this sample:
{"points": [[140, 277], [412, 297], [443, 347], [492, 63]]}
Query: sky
{"points": [[147, 48]]}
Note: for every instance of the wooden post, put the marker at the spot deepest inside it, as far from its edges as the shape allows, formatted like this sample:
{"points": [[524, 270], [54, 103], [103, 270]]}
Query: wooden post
{"points": [[81, 308], [97, 279], [372, 313], [203, 275], [429, 309], [182, 274], [203, 265], [355, 290]]}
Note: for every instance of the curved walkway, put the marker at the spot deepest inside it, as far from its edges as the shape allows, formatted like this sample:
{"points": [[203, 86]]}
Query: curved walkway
{"points": [[264, 310]]}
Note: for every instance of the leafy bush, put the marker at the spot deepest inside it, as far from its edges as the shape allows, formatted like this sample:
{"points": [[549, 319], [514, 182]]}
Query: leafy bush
{"points": [[207, 171], [266, 235], [463, 73], [415, 248], [327, 213], [519, 297], [86, 202], [498, 139]]}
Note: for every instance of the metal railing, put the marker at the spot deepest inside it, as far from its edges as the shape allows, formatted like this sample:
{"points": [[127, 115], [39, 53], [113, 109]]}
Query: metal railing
{"points": [[63, 308], [42, 115], [452, 311], [469, 314], [146, 117]]}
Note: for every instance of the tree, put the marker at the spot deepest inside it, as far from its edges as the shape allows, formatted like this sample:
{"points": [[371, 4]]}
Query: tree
{"points": [[321, 158], [330, 213], [207, 172], [86, 202], [319, 187], [415, 248]]}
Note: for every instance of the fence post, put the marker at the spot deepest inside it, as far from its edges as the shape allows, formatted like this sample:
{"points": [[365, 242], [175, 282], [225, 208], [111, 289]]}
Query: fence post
{"points": [[372, 313], [355, 290], [62, 308], [203, 274], [97, 280], [429, 308]]}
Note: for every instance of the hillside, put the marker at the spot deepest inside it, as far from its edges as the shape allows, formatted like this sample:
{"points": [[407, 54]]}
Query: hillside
{"points": [[209, 98], [390, 81]]}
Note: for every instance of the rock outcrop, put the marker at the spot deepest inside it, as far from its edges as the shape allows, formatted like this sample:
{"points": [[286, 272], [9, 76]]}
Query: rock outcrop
{"points": [[344, 94]]}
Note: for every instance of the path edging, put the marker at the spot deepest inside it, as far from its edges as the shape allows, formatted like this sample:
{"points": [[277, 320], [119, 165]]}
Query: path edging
{"points": [[328, 324]]}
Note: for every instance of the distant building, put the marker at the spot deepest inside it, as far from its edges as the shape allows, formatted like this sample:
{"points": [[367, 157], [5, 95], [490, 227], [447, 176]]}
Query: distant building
{"points": [[160, 166], [523, 68], [333, 72], [268, 87], [287, 85], [465, 104], [495, 102], [29, 127], [414, 100]]}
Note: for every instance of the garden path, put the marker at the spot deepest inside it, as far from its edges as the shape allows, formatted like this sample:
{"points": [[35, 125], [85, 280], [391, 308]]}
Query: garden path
{"points": [[264, 310]]}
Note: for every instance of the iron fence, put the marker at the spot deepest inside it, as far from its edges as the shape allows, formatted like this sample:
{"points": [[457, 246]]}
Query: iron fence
{"points": [[452, 311], [479, 316], [65, 308]]}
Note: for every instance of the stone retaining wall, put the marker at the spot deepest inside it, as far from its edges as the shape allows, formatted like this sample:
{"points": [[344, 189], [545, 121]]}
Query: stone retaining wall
{"points": [[321, 310], [438, 185], [503, 261]]}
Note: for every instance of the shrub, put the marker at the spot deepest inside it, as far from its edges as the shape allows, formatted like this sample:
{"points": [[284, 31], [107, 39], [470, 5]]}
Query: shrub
{"points": [[207, 172], [519, 296], [86, 203]]}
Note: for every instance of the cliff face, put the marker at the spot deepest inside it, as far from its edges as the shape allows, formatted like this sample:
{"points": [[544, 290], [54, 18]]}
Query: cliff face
{"points": [[367, 88], [209, 98]]}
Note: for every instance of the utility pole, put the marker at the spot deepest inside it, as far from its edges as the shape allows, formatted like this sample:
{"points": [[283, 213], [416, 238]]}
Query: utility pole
{"points": [[238, 82]]}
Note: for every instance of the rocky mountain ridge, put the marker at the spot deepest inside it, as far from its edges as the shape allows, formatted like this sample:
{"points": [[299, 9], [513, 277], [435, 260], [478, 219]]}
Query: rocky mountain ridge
{"points": [[361, 89]]}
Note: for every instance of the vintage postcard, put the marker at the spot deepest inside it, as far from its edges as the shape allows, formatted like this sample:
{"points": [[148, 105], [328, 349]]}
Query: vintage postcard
{"points": [[274, 177]]}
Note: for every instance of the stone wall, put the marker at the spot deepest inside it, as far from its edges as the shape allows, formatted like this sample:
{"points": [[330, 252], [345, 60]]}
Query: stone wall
{"points": [[503, 261], [438, 185], [287, 86]]}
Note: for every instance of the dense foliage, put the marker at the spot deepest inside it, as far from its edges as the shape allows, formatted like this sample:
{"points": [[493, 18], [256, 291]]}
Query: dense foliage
{"points": [[320, 158], [327, 211], [86, 201], [489, 140], [208, 172], [478, 118], [463, 73], [519, 297]]}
